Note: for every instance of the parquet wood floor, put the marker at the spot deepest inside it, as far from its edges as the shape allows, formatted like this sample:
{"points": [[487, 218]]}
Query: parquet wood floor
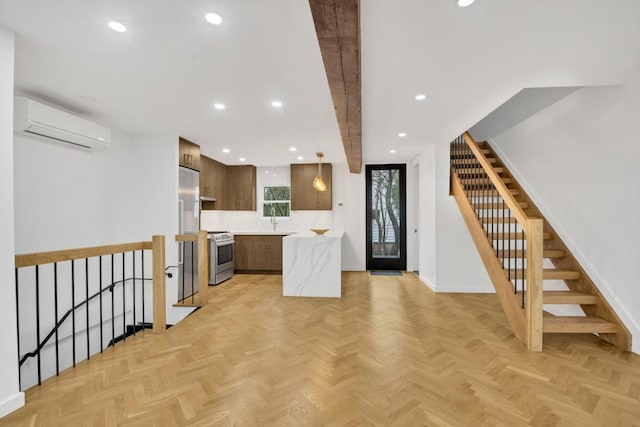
{"points": [[390, 352]]}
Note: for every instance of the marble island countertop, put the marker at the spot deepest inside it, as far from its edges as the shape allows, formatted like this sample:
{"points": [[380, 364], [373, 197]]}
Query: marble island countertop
{"points": [[309, 233], [263, 233], [311, 264]]}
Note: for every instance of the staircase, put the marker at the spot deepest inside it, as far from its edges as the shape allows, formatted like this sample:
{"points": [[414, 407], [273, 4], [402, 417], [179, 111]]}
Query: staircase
{"points": [[522, 252]]}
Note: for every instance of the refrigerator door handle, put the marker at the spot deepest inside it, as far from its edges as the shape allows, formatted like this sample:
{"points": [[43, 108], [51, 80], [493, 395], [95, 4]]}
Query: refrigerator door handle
{"points": [[180, 231]]}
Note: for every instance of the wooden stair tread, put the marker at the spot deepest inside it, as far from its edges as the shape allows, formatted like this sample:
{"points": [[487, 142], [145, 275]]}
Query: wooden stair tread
{"points": [[498, 220], [456, 160], [514, 236], [498, 206], [549, 274], [519, 253], [568, 297], [577, 325], [485, 180], [467, 171]]}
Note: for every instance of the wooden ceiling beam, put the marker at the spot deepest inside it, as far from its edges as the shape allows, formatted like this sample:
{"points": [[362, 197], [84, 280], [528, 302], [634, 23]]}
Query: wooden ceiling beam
{"points": [[337, 25]]}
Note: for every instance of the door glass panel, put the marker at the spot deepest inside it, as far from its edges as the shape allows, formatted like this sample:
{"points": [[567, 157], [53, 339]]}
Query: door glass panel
{"points": [[385, 213]]}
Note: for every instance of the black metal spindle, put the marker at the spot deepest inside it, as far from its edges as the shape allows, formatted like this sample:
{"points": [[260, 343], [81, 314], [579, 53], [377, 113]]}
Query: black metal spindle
{"points": [[124, 304], [183, 265], [38, 323], [100, 281], [18, 325], [55, 313], [86, 308], [143, 284], [522, 245], [192, 270], [508, 237], [113, 317], [133, 286], [73, 310]]}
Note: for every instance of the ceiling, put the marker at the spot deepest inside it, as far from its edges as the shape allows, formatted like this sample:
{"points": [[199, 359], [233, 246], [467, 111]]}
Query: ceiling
{"points": [[165, 73]]}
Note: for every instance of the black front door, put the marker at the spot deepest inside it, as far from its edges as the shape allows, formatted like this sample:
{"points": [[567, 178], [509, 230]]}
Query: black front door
{"points": [[386, 217]]}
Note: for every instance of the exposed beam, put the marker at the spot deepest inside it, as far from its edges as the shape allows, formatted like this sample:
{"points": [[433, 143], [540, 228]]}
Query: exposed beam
{"points": [[337, 25]]}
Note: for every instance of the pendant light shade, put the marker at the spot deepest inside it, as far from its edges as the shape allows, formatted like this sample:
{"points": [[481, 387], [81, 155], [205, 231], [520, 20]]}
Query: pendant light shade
{"points": [[318, 182]]}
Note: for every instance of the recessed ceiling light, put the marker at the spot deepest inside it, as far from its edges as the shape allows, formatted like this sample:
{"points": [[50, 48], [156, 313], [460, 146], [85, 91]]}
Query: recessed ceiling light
{"points": [[100, 139], [275, 174], [219, 106], [465, 3], [300, 158], [402, 134], [276, 104], [242, 159], [292, 148], [226, 150], [392, 151], [266, 171], [116, 26], [213, 18], [421, 97]]}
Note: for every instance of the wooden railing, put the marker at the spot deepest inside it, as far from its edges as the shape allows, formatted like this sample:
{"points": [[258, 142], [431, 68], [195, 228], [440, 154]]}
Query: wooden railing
{"points": [[88, 299], [509, 241]]}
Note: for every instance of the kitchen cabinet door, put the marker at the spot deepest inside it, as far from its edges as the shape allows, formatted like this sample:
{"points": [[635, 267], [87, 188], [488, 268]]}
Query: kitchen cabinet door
{"points": [[189, 154], [258, 253], [213, 183], [241, 188], [303, 195]]}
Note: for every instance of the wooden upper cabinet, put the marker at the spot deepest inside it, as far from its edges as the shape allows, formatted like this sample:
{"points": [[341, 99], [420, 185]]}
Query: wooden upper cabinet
{"points": [[241, 188], [213, 183], [189, 154], [303, 195]]}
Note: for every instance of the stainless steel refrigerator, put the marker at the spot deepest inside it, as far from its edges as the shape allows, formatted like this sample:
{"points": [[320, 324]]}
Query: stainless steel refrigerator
{"points": [[189, 223]]}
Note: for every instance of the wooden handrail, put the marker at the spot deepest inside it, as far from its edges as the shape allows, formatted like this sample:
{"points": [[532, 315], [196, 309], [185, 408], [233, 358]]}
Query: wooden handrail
{"points": [[506, 195], [39, 258], [186, 237]]}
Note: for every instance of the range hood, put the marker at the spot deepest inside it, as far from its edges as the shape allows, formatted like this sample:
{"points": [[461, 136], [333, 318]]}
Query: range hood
{"points": [[207, 199]]}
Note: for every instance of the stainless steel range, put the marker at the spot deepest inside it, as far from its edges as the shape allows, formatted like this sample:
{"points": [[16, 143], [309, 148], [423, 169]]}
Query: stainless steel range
{"points": [[221, 253]]}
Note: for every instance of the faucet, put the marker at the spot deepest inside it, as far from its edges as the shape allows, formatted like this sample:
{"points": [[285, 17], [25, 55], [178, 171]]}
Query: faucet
{"points": [[273, 218]]}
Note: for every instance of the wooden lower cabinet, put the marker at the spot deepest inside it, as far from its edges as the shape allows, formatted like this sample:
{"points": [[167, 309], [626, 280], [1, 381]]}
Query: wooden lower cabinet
{"points": [[258, 254]]}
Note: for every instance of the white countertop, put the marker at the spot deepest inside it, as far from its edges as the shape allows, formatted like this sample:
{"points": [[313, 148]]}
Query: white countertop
{"points": [[309, 233]]}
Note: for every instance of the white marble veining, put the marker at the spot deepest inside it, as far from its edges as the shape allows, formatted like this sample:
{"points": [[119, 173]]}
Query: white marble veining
{"points": [[311, 264]]}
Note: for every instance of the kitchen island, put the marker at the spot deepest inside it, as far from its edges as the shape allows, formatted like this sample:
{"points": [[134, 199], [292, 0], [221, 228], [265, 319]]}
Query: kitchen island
{"points": [[311, 264]]}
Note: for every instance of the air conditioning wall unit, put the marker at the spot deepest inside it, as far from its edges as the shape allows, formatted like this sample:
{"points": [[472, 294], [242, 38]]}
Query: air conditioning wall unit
{"points": [[49, 123]]}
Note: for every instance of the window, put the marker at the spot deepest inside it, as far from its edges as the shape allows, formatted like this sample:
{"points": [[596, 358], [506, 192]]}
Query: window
{"points": [[277, 201]]}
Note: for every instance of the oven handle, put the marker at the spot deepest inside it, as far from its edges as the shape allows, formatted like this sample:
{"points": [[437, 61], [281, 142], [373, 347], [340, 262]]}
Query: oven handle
{"points": [[225, 243]]}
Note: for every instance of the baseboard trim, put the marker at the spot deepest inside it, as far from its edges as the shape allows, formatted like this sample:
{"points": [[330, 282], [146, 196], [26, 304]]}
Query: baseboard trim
{"points": [[11, 403]]}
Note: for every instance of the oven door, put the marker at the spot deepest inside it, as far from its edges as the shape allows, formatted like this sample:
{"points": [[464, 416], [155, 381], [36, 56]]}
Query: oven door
{"points": [[224, 256]]}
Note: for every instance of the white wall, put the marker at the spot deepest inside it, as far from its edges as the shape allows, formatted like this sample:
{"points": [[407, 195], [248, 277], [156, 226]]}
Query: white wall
{"points": [[427, 222], [155, 206], [68, 198], [349, 202], [10, 396], [577, 161], [459, 267]]}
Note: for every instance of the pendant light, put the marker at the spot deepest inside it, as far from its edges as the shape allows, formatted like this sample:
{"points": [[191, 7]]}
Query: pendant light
{"points": [[318, 183]]}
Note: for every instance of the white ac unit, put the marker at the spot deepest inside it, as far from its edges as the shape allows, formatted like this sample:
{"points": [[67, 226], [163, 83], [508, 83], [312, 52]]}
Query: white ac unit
{"points": [[35, 118]]}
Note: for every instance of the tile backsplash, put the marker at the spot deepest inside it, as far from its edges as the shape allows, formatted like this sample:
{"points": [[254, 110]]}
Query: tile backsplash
{"points": [[253, 221]]}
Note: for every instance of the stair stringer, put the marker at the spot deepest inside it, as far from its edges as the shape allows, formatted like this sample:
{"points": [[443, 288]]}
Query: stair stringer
{"points": [[504, 288]]}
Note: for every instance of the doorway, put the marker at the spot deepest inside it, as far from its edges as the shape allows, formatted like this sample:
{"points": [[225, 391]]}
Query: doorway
{"points": [[386, 217]]}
